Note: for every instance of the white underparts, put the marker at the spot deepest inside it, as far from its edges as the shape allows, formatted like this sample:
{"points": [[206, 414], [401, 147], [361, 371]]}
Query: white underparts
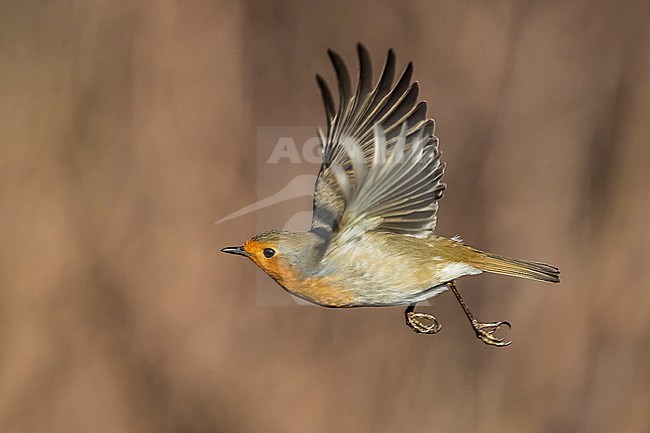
{"points": [[454, 270]]}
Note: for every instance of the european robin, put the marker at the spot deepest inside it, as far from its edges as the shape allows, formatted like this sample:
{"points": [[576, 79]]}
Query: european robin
{"points": [[371, 241]]}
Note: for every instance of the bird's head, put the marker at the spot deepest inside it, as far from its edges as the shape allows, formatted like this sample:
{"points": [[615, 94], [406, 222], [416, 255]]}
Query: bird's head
{"points": [[278, 253]]}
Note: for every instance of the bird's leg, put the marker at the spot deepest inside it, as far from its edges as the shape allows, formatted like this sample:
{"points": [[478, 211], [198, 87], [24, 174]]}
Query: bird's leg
{"points": [[413, 319], [484, 331]]}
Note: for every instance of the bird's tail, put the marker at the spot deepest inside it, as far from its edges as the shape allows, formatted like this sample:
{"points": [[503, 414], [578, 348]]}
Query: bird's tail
{"points": [[516, 268]]}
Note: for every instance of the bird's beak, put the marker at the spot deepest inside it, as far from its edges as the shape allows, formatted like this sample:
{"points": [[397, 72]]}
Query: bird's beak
{"points": [[240, 251]]}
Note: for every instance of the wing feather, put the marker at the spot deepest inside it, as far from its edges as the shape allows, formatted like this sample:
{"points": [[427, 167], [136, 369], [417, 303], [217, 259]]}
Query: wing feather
{"points": [[328, 101]]}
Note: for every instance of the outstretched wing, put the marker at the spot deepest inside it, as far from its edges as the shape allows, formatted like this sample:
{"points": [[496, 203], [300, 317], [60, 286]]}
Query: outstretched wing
{"points": [[398, 192], [388, 104]]}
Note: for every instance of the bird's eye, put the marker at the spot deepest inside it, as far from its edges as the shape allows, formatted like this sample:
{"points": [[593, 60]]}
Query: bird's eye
{"points": [[269, 252]]}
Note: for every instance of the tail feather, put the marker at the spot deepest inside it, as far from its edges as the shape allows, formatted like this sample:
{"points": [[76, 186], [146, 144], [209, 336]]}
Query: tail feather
{"points": [[517, 268]]}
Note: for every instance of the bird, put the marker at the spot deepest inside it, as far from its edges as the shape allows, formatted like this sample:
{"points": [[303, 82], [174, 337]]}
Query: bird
{"points": [[371, 242]]}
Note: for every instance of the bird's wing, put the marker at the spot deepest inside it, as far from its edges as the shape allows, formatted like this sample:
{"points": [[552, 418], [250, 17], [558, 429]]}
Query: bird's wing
{"points": [[388, 104], [397, 192]]}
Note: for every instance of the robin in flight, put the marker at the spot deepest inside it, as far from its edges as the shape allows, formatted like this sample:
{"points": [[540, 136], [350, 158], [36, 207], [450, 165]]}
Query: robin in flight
{"points": [[371, 242]]}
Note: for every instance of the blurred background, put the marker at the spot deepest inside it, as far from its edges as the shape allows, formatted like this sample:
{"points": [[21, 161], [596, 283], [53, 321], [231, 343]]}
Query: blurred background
{"points": [[127, 128]]}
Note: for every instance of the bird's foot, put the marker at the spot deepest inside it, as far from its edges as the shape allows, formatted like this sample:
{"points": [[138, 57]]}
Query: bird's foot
{"points": [[422, 323], [485, 332]]}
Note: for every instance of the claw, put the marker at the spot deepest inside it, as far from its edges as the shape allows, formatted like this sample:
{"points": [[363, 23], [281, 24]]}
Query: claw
{"points": [[413, 320], [485, 332]]}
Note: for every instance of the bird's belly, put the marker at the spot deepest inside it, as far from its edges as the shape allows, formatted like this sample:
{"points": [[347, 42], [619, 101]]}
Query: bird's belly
{"points": [[385, 289], [358, 289], [372, 273]]}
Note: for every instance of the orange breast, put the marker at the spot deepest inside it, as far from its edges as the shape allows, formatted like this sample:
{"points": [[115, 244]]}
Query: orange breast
{"points": [[319, 290]]}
